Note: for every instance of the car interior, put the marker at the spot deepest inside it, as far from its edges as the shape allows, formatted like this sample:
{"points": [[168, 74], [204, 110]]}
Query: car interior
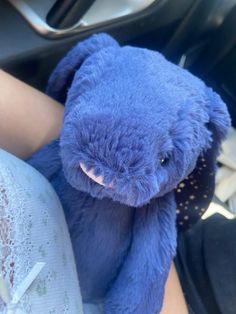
{"points": [[196, 34]]}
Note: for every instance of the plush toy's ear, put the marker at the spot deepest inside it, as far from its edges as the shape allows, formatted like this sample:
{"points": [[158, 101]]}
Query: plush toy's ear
{"points": [[62, 76], [194, 194], [219, 119]]}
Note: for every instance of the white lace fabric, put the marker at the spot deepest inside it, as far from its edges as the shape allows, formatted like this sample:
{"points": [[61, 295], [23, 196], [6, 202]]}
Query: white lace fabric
{"points": [[12, 302], [32, 232]]}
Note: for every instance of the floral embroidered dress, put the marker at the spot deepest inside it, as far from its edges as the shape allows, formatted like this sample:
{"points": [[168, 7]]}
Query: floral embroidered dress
{"points": [[37, 269]]}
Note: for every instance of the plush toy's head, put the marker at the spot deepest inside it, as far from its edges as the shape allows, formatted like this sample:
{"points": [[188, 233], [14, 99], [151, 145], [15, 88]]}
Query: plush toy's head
{"points": [[134, 119]]}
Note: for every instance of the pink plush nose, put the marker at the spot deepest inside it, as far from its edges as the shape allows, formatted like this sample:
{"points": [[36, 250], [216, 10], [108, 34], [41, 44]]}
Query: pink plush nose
{"points": [[91, 175]]}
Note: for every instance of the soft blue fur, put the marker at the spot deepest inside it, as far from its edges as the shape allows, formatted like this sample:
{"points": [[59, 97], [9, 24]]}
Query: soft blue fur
{"points": [[126, 108]]}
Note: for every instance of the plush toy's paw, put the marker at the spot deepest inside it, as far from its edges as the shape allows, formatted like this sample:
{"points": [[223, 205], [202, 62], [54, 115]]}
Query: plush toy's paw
{"points": [[139, 287], [47, 160]]}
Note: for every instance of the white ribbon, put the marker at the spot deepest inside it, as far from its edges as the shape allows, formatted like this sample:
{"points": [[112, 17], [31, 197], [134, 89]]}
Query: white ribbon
{"points": [[13, 301]]}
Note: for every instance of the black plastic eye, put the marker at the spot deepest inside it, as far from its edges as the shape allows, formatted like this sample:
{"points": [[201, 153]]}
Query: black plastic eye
{"points": [[164, 160]]}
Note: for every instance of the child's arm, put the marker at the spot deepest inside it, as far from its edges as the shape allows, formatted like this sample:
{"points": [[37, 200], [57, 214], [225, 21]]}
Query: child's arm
{"points": [[28, 118], [174, 301]]}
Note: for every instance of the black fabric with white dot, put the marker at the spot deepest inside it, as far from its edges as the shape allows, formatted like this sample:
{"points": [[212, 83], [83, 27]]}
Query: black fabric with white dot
{"points": [[194, 194]]}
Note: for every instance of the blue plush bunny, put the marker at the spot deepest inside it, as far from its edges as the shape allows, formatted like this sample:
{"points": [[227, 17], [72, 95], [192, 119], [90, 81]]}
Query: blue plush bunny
{"points": [[151, 131]]}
